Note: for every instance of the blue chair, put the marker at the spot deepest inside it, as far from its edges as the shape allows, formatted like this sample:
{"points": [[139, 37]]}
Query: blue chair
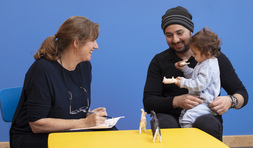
{"points": [[9, 98]]}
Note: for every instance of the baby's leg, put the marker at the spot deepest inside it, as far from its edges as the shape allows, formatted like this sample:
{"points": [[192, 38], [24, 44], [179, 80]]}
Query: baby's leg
{"points": [[191, 115]]}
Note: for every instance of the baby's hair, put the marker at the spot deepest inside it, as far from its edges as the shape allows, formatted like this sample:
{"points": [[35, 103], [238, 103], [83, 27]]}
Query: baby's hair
{"points": [[206, 41]]}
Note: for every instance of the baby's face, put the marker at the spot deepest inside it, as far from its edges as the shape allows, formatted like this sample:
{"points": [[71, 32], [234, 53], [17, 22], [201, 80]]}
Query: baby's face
{"points": [[199, 57]]}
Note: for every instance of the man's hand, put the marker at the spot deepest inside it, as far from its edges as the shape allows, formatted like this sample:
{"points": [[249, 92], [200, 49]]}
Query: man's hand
{"points": [[221, 104], [180, 67], [186, 101]]}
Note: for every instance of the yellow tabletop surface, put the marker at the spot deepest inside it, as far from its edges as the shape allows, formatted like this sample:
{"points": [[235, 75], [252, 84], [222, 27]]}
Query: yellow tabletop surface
{"points": [[171, 138]]}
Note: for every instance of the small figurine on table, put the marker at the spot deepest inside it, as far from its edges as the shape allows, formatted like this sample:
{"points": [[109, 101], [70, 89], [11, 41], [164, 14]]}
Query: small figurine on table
{"points": [[155, 127], [143, 123]]}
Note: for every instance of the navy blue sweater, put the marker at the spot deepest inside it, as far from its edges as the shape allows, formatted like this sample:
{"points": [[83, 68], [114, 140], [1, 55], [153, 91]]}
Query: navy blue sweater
{"points": [[44, 95]]}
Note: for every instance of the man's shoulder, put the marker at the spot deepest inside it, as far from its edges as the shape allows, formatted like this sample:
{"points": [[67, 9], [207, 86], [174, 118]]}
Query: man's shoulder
{"points": [[164, 54], [221, 56]]}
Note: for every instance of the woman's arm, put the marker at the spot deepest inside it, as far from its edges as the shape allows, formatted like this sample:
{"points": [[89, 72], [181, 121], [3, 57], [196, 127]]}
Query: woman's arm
{"points": [[48, 125]]}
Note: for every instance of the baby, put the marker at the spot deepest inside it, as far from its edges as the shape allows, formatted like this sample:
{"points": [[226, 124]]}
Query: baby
{"points": [[204, 79]]}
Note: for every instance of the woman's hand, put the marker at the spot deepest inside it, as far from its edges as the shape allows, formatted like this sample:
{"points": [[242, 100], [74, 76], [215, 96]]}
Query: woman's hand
{"points": [[100, 109], [97, 117]]}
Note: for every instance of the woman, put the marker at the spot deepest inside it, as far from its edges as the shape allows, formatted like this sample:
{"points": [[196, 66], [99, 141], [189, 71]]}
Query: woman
{"points": [[56, 90]]}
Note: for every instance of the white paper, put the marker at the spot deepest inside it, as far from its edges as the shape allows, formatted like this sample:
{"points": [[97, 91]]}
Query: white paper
{"points": [[109, 123]]}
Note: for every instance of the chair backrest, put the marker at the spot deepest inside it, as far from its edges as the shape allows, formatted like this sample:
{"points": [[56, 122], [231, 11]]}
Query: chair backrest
{"points": [[9, 98]]}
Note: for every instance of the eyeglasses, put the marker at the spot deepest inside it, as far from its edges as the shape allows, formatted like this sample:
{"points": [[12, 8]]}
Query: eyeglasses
{"points": [[81, 109]]}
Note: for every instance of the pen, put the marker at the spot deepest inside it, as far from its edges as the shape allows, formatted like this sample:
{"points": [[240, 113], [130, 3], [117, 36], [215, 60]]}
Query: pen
{"points": [[103, 116]]}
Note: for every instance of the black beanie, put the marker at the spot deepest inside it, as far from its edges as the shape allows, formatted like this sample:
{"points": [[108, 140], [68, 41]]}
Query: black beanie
{"points": [[177, 15]]}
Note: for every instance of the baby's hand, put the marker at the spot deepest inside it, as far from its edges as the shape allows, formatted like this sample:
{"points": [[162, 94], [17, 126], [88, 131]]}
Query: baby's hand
{"points": [[181, 65], [178, 81]]}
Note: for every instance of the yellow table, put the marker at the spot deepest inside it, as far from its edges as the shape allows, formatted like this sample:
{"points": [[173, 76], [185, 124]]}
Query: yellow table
{"points": [[171, 138]]}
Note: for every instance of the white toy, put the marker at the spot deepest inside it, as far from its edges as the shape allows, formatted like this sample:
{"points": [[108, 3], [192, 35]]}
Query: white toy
{"points": [[183, 63], [169, 80], [143, 123]]}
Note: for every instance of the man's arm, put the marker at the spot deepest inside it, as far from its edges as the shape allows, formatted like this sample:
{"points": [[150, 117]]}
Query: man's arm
{"points": [[154, 99], [232, 85]]}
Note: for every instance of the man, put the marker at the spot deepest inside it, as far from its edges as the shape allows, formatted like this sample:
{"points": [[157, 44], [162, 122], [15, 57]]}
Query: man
{"points": [[169, 100]]}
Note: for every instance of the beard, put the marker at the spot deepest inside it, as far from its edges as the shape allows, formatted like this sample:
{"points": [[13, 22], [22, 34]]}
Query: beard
{"points": [[185, 49]]}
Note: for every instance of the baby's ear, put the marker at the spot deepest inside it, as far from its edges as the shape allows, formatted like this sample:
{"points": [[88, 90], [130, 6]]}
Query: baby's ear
{"points": [[208, 54]]}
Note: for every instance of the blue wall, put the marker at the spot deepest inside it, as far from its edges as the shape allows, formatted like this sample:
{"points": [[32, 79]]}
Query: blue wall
{"points": [[130, 37]]}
